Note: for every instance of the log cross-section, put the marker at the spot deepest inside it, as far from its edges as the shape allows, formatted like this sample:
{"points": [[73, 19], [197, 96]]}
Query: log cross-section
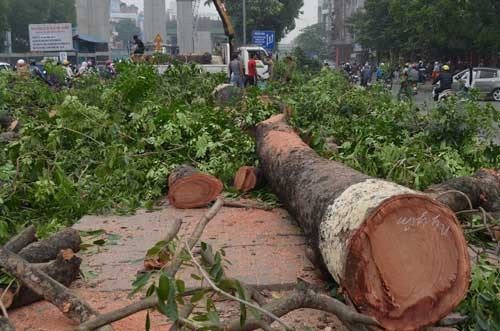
{"points": [[188, 188], [398, 254]]}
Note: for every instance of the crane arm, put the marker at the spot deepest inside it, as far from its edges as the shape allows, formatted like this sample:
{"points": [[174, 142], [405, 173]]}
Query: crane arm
{"points": [[227, 23]]}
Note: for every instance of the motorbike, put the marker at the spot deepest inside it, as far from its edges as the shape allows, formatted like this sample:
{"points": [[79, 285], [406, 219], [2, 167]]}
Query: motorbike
{"points": [[354, 79], [388, 84], [443, 95], [414, 88]]}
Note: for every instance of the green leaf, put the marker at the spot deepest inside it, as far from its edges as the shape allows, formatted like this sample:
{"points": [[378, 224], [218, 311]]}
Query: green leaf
{"points": [[181, 286], [140, 282], [213, 317], [163, 287], [195, 276], [198, 296], [148, 322], [99, 242]]}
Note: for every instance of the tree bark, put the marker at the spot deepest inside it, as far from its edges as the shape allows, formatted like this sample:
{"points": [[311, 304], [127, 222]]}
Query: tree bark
{"points": [[191, 189], [64, 269], [48, 249], [23, 239], [483, 190], [399, 255], [248, 179]]}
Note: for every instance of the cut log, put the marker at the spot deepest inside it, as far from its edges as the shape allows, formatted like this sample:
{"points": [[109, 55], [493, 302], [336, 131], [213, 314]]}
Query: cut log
{"points": [[47, 250], [399, 255], [23, 239], [247, 179], [483, 190], [191, 189], [63, 298], [64, 269]]}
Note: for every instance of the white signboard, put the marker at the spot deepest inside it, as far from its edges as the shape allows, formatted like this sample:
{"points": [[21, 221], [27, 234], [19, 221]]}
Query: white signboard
{"points": [[51, 37], [63, 56]]}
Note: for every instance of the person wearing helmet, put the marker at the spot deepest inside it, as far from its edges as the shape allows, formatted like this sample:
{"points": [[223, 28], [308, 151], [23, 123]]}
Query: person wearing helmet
{"points": [[413, 75], [68, 70], [445, 80], [22, 69], [83, 69]]}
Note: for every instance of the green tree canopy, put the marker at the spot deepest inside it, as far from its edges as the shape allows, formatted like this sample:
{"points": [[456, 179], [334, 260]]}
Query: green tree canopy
{"points": [[126, 29], [24, 12], [313, 40], [429, 28], [274, 15]]}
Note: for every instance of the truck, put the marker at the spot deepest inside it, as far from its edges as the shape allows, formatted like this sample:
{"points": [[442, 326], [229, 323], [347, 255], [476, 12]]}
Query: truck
{"points": [[245, 52], [221, 63]]}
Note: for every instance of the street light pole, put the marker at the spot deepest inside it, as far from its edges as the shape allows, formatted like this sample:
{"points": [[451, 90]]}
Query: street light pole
{"points": [[244, 22]]}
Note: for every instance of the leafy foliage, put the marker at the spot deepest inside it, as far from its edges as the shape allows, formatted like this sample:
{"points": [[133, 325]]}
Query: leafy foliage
{"points": [[393, 140], [429, 28], [110, 145], [276, 15], [482, 304]]}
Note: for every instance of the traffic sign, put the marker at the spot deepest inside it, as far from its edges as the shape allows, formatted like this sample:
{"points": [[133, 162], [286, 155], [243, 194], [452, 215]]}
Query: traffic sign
{"points": [[265, 39]]}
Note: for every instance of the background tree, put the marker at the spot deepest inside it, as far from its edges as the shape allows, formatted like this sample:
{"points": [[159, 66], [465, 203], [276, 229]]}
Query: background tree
{"points": [[25, 12], [126, 29], [313, 40], [275, 15], [431, 29], [3, 22]]}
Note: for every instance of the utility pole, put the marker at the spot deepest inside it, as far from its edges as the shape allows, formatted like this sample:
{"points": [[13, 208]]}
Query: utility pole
{"points": [[244, 22]]}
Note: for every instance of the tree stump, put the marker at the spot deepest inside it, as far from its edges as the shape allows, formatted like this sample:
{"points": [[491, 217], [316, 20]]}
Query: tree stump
{"points": [[399, 255], [191, 189]]}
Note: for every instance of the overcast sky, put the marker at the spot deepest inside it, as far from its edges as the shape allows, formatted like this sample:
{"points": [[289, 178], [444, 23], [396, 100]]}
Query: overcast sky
{"points": [[309, 17]]}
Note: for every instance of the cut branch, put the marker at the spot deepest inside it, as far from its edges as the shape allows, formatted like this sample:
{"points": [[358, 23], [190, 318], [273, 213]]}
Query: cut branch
{"points": [[482, 190], [63, 298], [64, 269], [47, 250], [152, 301], [23, 239]]}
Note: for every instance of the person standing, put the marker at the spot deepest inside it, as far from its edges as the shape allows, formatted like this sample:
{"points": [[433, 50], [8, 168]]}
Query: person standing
{"points": [[366, 75], [236, 72], [22, 69], [252, 71], [139, 46]]}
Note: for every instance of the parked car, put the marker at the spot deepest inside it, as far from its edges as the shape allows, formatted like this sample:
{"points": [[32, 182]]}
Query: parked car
{"points": [[485, 80], [4, 66]]}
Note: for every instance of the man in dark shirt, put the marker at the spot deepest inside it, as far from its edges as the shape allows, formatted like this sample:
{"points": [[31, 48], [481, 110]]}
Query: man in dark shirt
{"points": [[445, 80], [139, 49]]}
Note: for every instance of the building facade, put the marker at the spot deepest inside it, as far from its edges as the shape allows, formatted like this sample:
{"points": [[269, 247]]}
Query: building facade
{"points": [[335, 14]]}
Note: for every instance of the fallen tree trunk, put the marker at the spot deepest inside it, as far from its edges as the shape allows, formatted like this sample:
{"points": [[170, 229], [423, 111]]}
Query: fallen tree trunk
{"points": [[482, 190], [247, 179], [48, 249], [188, 188], [64, 269], [399, 255]]}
